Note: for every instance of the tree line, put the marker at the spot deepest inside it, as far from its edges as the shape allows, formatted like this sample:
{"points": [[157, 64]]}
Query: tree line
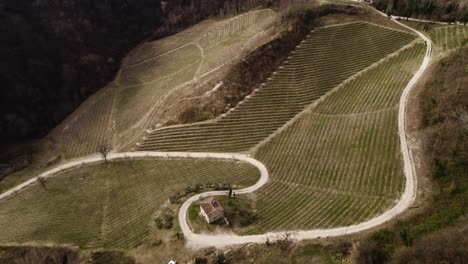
{"points": [[443, 10], [180, 14]]}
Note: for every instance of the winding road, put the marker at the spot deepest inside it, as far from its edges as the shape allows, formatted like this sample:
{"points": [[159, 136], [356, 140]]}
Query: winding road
{"points": [[222, 240], [405, 201]]}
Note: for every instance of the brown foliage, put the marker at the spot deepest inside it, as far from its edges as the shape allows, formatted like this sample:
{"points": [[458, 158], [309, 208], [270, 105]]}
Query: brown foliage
{"points": [[37, 255], [60, 255], [445, 105], [445, 10], [448, 246], [259, 64], [370, 252], [179, 14]]}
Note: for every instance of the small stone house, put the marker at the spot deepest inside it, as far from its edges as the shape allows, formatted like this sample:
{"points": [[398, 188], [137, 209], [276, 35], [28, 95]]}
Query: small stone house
{"points": [[211, 210]]}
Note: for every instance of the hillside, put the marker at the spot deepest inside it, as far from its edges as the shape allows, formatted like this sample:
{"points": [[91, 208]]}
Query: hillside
{"points": [[441, 218], [330, 132], [154, 76], [55, 55], [111, 205], [437, 10]]}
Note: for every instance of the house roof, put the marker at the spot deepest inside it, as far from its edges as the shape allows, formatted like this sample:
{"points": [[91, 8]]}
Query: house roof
{"points": [[211, 206]]}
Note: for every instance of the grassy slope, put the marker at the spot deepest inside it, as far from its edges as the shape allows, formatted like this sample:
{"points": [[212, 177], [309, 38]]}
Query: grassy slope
{"points": [[117, 107], [87, 128], [145, 85], [338, 154], [298, 255], [323, 189], [327, 58], [108, 205]]}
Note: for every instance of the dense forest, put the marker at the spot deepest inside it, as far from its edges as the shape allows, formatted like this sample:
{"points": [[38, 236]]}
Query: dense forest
{"points": [[443, 10], [57, 53]]}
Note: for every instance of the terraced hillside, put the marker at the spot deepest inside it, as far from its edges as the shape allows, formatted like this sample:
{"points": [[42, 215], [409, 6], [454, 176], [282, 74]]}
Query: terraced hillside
{"points": [[87, 128], [324, 60], [109, 205], [339, 163], [152, 72], [145, 81], [324, 124], [450, 37]]}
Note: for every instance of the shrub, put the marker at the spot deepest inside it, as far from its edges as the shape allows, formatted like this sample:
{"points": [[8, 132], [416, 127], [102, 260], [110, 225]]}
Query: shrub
{"points": [[220, 259], [369, 252], [165, 221], [201, 260], [441, 247]]}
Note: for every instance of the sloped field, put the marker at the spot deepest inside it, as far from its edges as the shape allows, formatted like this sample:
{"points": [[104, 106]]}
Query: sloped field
{"points": [[87, 128], [325, 59], [335, 164], [130, 105], [145, 81], [450, 37], [150, 50], [109, 205], [230, 39], [339, 163], [167, 64]]}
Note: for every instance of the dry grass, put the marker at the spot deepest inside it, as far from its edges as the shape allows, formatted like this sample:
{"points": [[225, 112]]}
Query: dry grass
{"points": [[108, 205], [324, 60]]}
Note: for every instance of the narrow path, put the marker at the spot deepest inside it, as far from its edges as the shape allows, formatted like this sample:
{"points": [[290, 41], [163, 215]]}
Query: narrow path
{"points": [[425, 21], [222, 240], [97, 158], [405, 201]]}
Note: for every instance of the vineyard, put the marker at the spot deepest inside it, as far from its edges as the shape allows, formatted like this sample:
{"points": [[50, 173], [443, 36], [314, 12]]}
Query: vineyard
{"points": [[450, 37], [152, 49], [339, 163], [150, 74], [144, 81], [325, 125], [94, 115], [326, 58], [109, 205]]}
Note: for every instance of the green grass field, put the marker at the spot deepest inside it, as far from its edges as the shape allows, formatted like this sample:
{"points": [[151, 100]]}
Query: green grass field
{"points": [[109, 205], [326, 58]]}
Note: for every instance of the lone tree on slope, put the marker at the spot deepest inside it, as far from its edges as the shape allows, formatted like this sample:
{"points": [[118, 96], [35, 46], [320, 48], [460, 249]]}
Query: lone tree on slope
{"points": [[104, 149], [42, 182]]}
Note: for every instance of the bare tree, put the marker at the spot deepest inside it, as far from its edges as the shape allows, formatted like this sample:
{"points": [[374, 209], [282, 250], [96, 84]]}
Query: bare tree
{"points": [[104, 149], [42, 181]]}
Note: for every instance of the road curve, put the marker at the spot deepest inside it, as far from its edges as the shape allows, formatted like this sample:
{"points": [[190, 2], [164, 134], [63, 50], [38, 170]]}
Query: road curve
{"points": [[405, 201], [222, 240], [92, 159]]}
